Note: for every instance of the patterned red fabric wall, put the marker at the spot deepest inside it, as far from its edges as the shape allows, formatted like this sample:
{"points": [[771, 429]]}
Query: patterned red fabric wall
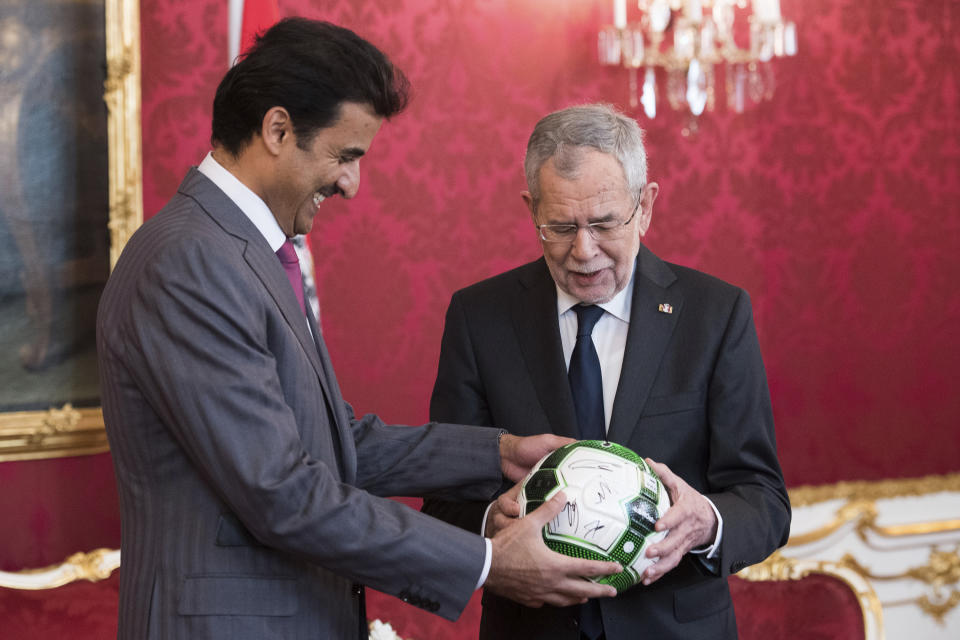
{"points": [[834, 204]]}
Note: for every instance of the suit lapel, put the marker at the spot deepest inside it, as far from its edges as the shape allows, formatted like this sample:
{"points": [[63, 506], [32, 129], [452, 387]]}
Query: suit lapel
{"points": [[337, 407], [264, 263], [647, 339], [535, 320]]}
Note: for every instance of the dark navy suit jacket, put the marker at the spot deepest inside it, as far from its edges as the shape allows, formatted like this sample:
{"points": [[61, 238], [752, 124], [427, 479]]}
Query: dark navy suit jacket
{"points": [[692, 394]]}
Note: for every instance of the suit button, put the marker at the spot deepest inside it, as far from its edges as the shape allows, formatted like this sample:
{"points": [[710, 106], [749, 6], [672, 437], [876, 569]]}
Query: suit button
{"points": [[573, 623], [357, 589]]}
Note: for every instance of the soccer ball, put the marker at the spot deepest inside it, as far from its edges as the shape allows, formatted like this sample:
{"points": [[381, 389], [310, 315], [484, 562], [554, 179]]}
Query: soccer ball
{"points": [[613, 500]]}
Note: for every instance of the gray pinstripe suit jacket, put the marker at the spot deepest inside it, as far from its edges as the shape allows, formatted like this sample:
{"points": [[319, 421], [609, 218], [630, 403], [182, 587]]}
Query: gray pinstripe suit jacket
{"points": [[247, 485]]}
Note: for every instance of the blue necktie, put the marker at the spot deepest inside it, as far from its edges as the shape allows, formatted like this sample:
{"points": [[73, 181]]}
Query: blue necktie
{"points": [[586, 384]]}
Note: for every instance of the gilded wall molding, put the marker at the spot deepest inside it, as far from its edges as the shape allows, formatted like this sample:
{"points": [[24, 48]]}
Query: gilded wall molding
{"points": [[122, 96], [869, 490], [941, 573], [93, 566], [861, 516], [31, 435], [68, 431]]}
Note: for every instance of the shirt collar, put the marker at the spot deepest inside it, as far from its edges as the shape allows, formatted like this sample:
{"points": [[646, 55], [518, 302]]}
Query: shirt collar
{"points": [[248, 202], [618, 306]]}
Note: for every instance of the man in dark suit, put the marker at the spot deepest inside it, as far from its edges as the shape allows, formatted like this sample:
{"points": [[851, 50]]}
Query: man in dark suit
{"points": [[248, 487], [674, 365]]}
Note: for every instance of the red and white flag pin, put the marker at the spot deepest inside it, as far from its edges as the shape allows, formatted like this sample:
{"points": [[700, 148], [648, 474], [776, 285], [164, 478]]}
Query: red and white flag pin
{"points": [[665, 308]]}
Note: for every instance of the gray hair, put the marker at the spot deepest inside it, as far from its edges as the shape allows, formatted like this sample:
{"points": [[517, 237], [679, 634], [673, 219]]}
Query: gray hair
{"points": [[564, 134]]}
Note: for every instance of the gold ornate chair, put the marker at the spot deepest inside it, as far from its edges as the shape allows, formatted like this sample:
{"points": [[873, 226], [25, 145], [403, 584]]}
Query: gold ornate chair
{"points": [[74, 599]]}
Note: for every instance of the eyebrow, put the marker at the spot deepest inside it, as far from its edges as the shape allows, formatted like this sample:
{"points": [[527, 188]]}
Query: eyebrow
{"points": [[609, 217], [352, 153]]}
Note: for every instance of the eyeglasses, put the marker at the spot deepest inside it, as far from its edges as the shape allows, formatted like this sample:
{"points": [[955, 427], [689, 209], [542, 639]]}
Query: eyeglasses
{"points": [[599, 231]]}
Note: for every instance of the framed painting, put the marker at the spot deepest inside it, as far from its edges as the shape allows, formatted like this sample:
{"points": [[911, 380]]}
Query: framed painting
{"points": [[70, 196]]}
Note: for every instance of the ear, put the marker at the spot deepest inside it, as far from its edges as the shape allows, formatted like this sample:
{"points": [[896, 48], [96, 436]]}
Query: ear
{"points": [[528, 200], [276, 129], [646, 206]]}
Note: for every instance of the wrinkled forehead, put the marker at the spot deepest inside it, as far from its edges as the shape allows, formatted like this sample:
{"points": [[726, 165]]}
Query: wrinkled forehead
{"points": [[585, 198], [570, 161], [588, 176]]}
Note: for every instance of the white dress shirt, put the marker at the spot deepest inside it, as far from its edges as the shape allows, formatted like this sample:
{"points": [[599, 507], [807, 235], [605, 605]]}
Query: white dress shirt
{"points": [[249, 203], [246, 200], [610, 340]]}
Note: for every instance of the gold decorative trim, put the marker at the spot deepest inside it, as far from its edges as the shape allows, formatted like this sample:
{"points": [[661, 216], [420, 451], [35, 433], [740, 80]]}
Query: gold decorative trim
{"points": [[938, 610], [778, 567], [858, 511], [942, 573], [29, 435], [861, 511], [122, 95], [862, 515], [874, 490], [32, 435], [918, 528], [93, 566]]}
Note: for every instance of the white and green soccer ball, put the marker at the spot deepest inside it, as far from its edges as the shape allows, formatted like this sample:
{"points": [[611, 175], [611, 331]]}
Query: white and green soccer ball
{"points": [[614, 499]]}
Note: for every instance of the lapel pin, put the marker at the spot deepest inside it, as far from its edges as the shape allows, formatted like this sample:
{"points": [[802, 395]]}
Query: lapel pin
{"points": [[665, 308]]}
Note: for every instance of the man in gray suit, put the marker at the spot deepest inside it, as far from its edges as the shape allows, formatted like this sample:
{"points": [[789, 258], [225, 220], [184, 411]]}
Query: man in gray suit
{"points": [[677, 377], [248, 488]]}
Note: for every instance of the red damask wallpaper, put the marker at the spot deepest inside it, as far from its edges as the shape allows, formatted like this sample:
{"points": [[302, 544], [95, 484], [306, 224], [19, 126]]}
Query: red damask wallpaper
{"points": [[834, 204]]}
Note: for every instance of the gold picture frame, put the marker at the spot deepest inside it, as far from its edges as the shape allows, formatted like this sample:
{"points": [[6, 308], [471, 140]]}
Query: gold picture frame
{"points": [[65, 430]]}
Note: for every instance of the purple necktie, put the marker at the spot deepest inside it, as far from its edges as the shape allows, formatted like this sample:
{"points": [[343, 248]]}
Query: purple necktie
{"points": [[291, 264]]}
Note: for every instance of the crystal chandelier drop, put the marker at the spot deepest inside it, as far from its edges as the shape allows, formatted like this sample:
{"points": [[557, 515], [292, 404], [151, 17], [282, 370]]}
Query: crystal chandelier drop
{"points": [[690, 39]]}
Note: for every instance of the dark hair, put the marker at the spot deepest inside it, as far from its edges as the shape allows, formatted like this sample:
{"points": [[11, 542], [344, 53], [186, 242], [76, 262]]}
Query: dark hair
{"points": [[309, 68]]}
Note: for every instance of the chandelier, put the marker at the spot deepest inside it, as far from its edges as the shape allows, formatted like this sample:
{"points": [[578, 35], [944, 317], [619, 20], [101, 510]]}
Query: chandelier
{"points": [[690, 40]]}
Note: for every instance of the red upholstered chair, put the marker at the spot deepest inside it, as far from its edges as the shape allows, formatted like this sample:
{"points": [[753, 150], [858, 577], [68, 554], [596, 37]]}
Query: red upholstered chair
{"points": [[76, 599], [778, 599], [804, 600]]}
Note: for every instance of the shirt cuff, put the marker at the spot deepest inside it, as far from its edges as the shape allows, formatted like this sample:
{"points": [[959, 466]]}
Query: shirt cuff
{"points": [[712, 550], [486, 562]]}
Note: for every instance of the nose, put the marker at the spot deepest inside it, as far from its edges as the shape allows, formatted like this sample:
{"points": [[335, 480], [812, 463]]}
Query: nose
{"points": [[349, 180], [584, 246]]}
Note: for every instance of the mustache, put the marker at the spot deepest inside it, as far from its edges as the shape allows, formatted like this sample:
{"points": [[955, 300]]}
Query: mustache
{"points": [[323, 193], [330, 190]]}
